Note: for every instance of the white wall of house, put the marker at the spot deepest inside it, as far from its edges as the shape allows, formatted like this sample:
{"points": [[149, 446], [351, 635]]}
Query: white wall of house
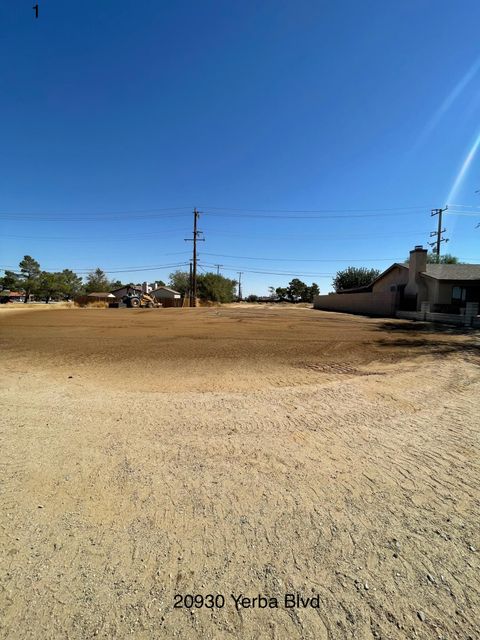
{"points": [[163, 294]]}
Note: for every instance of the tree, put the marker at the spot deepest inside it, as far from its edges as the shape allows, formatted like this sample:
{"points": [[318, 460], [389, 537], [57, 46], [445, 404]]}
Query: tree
{"points": [[49, 286], [282, 293], [30, 275], [311, 292], [10, 281], [297, 291], [71, 284], [180, 281], [97, 281], [252, 298], [354, 277], [213, 286], [447, 258]]}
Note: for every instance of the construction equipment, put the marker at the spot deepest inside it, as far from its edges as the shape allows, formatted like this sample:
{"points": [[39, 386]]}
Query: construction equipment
{"points": [[136, 299]]}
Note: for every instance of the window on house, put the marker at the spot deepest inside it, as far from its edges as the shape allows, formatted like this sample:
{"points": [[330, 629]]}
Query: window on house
{"points": [[459, 294]]}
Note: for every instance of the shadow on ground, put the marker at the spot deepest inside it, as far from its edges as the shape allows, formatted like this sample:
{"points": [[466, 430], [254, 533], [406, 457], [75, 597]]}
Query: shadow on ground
{"points": [[426, 327], [423, 338]]}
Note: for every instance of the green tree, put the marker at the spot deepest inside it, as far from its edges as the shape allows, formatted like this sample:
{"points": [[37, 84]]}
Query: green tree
{"points": [[354, 277], [282, 293], [71, 284], [49, 286], [180, 281], [212, 286], [311, 292], [97, 281], [447, 258], [30, 275], [10, 281], [297, 291]]}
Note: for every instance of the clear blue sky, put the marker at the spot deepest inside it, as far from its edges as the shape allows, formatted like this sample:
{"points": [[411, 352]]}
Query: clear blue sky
{"points": [[126, 106]]}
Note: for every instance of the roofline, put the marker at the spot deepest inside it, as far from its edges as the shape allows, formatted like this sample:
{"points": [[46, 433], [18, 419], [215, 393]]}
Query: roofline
{"points": [[127, 286], [166, 289], [449, 279], [379, 277], [384, 273]]}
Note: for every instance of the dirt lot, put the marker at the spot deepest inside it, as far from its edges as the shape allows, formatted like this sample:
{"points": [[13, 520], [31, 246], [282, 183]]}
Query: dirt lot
{"points": [[256, 450]]}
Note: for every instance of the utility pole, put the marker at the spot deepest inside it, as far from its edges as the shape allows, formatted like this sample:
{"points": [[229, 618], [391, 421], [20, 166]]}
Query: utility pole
{"points": [[218, 268], [194, 239], [438, 233], [190, 286], [240, 273]]}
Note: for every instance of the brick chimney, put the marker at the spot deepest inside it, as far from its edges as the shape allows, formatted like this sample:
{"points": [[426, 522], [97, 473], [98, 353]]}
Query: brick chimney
{"points": [[417, 264]]}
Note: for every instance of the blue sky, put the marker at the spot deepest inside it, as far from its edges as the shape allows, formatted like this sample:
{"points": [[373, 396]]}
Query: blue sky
{"points": [[119, 117]]}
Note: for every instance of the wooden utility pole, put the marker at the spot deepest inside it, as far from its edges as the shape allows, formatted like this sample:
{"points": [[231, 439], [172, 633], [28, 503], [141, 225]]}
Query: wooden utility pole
{"points": [[218, 268], [438, 233], [240, 284], [190, 286], [195, 239]]}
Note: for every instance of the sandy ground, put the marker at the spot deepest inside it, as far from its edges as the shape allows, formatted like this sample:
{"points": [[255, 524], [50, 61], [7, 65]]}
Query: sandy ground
{"points": [[260, 450]]}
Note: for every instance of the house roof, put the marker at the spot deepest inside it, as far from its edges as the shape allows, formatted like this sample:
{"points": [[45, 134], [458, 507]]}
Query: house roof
{"points": [[162, 288], [453, 271], [101, 294], [127, 286], [368, 287]]}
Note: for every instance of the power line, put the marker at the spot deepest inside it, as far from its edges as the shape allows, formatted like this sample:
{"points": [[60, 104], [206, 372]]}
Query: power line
{"points": [[275, 273], [95, 213], [418, 207], [86, 218], [462, 213], [138, 214], [86, 270], [288, 234], [309, 217], [75, 238], [124, 237], [223, 255]]}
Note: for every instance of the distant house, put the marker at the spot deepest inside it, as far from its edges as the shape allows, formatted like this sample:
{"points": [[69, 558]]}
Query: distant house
{"points": [[12, 296], [440, 288], [168, 297], [101, 296], [123, 291]]}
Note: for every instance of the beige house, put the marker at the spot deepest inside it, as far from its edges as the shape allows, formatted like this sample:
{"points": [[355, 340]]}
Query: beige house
{"points": [[416, 285], [168, 297]]}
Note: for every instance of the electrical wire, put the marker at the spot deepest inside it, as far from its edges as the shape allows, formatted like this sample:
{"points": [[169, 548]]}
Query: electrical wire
{"points": [[86, 270], [125, 237], [275, 273], [309, 217], [224, 255], [418, 207]]}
